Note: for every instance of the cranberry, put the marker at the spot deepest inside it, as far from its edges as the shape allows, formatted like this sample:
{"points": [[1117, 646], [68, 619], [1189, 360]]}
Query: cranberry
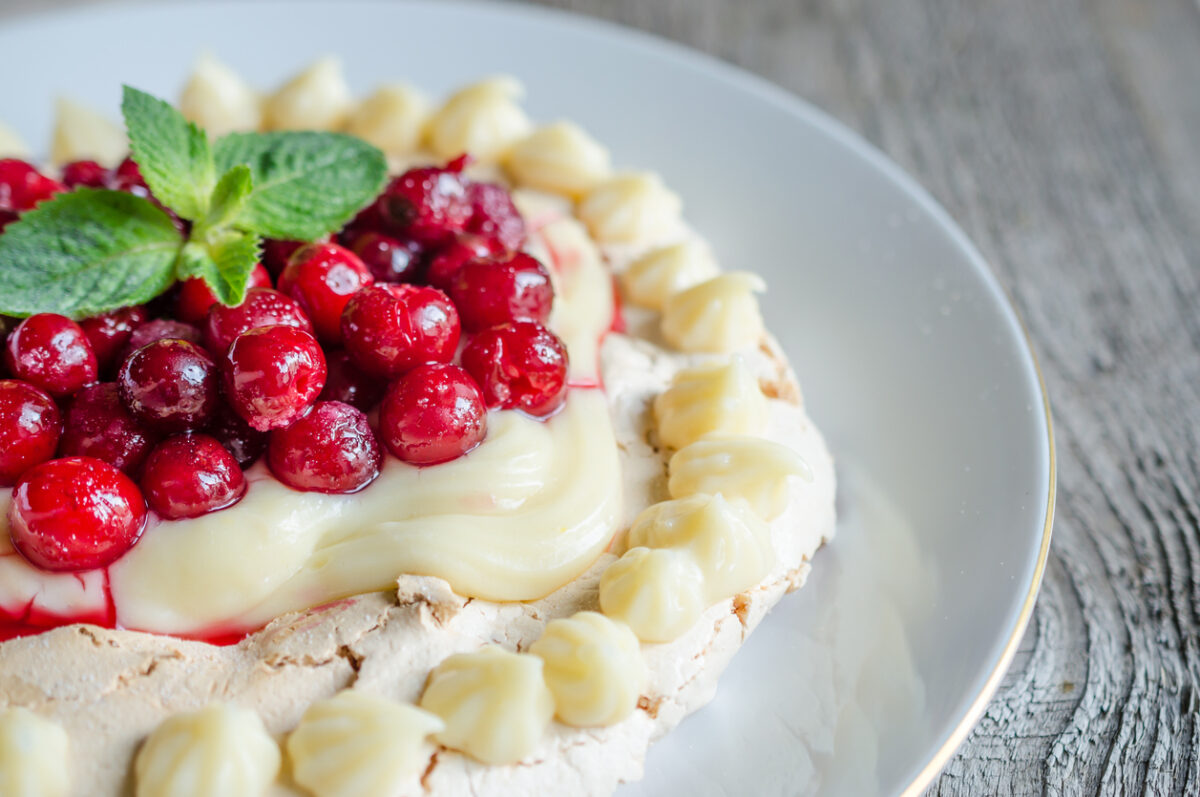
{"points": [[170, 385], [195, 297], [428, 204], [349, 384], [521, 365], [109, 333], [246, 444], [22, 186], [389, 259], [451, 257], [76, 513], [98, 425], [494, 215], [159, 329], [84, 173], [29, 426], [488, 292], [276, 252], [52, 352], [330, 450], [7, 217], [322, 278], [432, 414], [191, 475], [273, 375], [388, 328], [128, 177], [263, 307]]}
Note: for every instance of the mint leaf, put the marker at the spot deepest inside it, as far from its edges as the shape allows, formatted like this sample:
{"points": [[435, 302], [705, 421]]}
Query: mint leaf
{"points": [[224, 263], [306, 184], [173, 154], [229, 197], [85, 253]]}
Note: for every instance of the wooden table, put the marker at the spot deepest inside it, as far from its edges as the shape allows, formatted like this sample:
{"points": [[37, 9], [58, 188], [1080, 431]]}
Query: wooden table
{"points": [[1064, 136]]}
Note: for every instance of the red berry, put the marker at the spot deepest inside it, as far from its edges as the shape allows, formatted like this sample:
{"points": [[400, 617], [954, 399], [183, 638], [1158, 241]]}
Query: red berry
{"points": [[263, 307], [432, 414], [494, 215], [128, 177], [244, 443], [159, 329], [273, 375], [488, 292], [76, 513], [276, 252], [52, 352], [86, 173], [349, 384], [521, 366], [195, 297], [191, 475], [427, 204], [29, 426], [451, 257], [22, 186], [109, 333], [7, 217], [389, 259], [98, 425], [170, 385], [389, 329], [322, 278], [330, 450]]}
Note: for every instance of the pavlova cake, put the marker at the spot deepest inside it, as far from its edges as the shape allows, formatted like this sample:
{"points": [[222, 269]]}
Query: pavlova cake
{"points": [[372, 447]]}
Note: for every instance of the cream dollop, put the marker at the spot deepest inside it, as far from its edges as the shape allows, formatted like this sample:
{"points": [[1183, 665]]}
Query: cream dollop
{"points": [[749, 468], [593, 667], [495, 703], [483, 119], [559, 157], [83, 134], [631, 208], [316, 99], [393, 118], [661, 273], [729, 542], [659, 593], [219, 100], [716, 398], [33, 755], [214, 752], [11, 144], [359, 745], [718, 315]]}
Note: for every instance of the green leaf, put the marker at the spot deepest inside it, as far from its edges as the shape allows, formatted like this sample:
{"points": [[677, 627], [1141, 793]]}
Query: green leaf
{"points": [[306, 184], [229, 197], [173, 154], [85, 253], [224, 263]]}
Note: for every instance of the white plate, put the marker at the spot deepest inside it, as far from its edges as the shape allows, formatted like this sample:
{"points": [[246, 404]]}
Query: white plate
{"points": [[912, 360]]}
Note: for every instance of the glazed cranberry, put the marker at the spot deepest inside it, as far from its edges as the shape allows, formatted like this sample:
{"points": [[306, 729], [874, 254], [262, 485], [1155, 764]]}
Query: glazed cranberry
{"points": [[52, 352], [330, 450], [322, 278], [84, 173], [276, 252], [488, 292], [22, 186], [191, 475], [7, 217], [159, 329], [128, 177], [75, 513], [521, 365], [389, 259], [494, 215], [389, 329], [194, 297], [349, 384], [428, 204], [444, 265], [244, 443], [98, 425], [262, 307], [170, 385], [109, 333], [29, 426], [273, 375], [432, 414]]}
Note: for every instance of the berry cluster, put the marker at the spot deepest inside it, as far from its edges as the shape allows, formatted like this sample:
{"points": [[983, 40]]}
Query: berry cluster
{"points": [[162, 407]]}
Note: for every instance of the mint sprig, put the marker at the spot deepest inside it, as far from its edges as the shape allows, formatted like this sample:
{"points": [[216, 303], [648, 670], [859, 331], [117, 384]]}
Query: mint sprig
{"points": [[90, 251]]}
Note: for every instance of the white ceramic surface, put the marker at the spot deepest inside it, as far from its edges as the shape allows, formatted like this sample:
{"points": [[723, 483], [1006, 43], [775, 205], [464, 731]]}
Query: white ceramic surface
{"points": [[911, 359]]}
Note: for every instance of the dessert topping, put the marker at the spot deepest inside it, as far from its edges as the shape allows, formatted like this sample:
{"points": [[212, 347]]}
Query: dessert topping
{"points": [[715, 398], [748, 468], [659, 593], [718, 315], [661, 273], [34, 759]]}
